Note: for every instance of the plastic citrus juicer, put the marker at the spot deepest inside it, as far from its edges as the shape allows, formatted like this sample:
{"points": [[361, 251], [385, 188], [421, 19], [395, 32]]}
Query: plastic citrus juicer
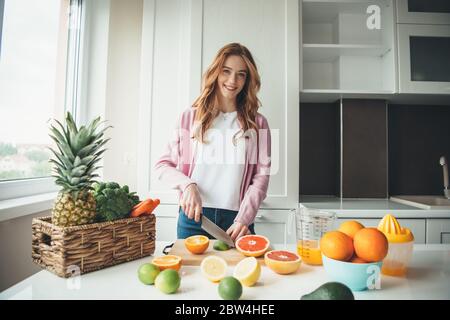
{"points": [[311, 225], [400, 251]]}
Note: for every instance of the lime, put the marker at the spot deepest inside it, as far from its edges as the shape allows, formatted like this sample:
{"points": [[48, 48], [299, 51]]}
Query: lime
{"points": [[230, 288], [147, 273], [168, 281], [219, 245]]}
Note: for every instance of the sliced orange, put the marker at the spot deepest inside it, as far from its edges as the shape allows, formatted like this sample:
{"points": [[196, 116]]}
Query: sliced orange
{"points": [[282, 262], [252, 245], [168, 262], [197, 244]]}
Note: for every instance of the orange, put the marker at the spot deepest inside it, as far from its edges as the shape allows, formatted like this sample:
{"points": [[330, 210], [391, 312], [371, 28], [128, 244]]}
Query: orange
{"points": [[350, 228], [371, 244], [357, 259], [252, 245], [167, 262], [197, 244], [337, 245]]}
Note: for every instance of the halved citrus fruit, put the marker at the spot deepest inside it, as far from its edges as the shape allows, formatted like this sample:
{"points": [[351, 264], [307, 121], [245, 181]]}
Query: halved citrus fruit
{"points": [[282, 262], [168, 262], [247, 271], [197, 244], [214, 268], [252, 245]]}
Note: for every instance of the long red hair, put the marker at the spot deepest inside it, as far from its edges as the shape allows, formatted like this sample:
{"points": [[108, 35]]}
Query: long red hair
{"points": [[247, 101]]}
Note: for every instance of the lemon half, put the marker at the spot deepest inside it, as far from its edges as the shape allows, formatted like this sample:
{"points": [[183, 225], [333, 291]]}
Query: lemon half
{"points": [[214, 268], [247, 271]]}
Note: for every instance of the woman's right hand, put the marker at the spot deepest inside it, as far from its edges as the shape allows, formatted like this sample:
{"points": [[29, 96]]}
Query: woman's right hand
{"points": [[191, 203]]}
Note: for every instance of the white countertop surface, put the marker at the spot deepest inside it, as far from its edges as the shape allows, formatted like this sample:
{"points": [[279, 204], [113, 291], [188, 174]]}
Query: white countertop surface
{"points": [[369, 208], [428, 278]]}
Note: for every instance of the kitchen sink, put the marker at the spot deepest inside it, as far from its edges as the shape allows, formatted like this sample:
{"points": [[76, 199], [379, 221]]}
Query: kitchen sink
{"points": [[424, 202]]}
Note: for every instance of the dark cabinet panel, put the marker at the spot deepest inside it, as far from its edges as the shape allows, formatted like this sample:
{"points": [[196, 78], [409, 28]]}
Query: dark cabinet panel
{"points": [[319, 149], [430, 58], [434, 6], [364, 153]]}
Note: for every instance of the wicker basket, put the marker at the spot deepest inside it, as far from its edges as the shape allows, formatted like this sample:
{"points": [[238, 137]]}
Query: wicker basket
{"points": [[68, 251]]}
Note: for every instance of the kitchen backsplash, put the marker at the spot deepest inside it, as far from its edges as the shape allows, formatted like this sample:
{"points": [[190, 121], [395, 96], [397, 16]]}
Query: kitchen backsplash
{"points": [[418, 137], [319, 148], [386, 151], [364, 153]]}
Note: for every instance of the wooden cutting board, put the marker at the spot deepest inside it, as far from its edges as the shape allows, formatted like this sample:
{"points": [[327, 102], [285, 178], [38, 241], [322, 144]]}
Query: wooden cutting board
{"points": [[232, 256]]}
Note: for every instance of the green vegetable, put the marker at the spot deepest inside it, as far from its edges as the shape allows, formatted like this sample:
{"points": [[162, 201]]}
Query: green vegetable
{"points": [[219, 245], [113, 202], [330, 291]]}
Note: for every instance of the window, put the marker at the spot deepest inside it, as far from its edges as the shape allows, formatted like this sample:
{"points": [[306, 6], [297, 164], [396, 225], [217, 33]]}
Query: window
{"points": [[39, 50]]}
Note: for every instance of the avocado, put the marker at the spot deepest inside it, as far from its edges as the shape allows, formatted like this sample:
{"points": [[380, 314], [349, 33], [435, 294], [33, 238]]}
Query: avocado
{"points": [[330, 291]]}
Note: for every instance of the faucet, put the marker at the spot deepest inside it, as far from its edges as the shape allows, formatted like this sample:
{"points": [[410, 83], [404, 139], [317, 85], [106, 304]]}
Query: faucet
{"points": [[443, 163]]}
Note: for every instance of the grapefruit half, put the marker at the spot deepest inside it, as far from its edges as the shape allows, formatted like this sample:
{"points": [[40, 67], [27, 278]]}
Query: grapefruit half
{"points": [[252, 245], [282, 262]]}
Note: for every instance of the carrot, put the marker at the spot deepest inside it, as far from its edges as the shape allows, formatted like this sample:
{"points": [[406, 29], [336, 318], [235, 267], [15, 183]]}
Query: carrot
{"points": [[155, 203], [141, 204], [146, 207]]}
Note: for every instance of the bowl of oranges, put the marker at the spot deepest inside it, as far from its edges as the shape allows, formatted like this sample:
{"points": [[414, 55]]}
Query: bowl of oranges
{"points": [[353, 255]]}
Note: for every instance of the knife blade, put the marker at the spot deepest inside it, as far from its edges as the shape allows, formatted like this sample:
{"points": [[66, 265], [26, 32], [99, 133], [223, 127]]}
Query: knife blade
{"points": [[216, 231]]}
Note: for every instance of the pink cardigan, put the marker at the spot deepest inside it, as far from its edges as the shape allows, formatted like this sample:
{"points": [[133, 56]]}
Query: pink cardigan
{"points": [[176, 164]]}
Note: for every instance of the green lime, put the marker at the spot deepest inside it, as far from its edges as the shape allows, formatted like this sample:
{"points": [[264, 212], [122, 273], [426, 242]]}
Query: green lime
{"points": [[168, 281], [230, 288], [147, 273], [219, 245]]}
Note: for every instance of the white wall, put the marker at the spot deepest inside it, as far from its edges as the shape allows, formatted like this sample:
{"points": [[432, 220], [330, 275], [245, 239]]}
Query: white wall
{"points": [[122, 91]]}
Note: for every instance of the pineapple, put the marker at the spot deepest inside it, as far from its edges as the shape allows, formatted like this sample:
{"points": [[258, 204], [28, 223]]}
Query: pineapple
{"points": [[74, 166]]}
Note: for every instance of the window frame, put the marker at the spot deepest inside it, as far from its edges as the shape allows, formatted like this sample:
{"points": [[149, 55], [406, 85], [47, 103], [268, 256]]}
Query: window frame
{"points": [[19, 188]]}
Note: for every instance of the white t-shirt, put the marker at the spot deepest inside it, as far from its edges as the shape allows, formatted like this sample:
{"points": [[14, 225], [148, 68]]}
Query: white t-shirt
{"points": [[219, 165]]}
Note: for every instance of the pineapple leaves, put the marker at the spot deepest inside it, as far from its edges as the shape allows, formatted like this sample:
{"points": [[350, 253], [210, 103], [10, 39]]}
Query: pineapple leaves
{"points": [[66, 134], [62, 144], [72, 127], [77, 152]]}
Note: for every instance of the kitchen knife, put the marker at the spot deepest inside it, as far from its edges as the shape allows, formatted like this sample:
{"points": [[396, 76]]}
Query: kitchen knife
{"points": [[216, 231]]}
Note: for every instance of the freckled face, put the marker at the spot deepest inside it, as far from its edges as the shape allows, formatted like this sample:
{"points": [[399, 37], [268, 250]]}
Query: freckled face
{"points": [[232, 77]]}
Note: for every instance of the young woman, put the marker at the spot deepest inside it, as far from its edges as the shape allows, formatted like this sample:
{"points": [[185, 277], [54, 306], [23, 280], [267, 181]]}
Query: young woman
{"points": [[219, 157]]}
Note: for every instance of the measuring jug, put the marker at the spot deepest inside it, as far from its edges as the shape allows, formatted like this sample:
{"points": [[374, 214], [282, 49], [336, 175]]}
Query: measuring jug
{"points": [[311, 225]]}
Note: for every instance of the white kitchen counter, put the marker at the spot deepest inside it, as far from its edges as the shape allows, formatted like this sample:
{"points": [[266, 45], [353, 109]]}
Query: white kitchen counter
{"points": [[428, 278], [369, 208]]}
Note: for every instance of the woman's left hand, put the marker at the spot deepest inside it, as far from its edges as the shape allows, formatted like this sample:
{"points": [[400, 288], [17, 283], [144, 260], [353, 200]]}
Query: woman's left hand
{"points": [[237, 230]]}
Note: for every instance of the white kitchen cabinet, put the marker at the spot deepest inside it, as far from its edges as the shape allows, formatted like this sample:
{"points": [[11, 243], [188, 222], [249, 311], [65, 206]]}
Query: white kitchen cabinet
{"points": [[180, 39], [348, 47], [166, 222], [417, 226], [277, 225], [423, 12], [438, 231]]}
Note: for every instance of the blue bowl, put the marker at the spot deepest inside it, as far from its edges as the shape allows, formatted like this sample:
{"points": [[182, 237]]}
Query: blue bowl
{"points": [[356, 276]]}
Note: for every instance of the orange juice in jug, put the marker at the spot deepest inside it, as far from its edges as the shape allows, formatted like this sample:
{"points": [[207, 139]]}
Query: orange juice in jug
{"points": [[309, 251]]}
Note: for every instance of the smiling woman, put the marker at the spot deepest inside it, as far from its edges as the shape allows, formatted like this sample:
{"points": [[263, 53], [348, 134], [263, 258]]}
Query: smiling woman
{"points": [[223, 120], [34, 65]]}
